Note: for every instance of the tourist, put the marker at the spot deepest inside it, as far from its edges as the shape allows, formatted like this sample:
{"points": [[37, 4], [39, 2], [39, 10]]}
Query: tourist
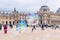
{"points": [[46, 25], [5, 29], [11, 26], [33, 28], [42, 26], [56, 26], [0, 26]]}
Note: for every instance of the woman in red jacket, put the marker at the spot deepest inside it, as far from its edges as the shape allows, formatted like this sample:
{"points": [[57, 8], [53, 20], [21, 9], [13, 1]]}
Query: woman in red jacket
{"points": [[5, 29]]}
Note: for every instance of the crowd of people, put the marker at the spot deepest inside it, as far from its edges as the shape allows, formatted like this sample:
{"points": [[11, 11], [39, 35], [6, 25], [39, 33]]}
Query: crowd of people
{"points": [[43, 26], [33, 27], [5, 26], [10, 25]]}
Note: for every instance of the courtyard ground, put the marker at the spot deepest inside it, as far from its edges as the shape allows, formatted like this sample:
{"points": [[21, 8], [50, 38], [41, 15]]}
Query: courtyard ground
{"points": [[38, 34]]}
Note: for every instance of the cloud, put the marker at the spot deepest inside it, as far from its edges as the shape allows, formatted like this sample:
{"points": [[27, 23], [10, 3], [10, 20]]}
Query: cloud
{"points": [[29, 5], [53, 4]]}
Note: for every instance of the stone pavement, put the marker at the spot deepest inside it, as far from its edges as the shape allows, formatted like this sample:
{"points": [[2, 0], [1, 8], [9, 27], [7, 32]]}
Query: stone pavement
{"points": [[38, 34]]}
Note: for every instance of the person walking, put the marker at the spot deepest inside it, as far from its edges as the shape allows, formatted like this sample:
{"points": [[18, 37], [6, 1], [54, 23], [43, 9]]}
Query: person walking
{"points": [[11, 26], [0, 26], [56, 26], [42, 26], [5, 29], [33, 28]]}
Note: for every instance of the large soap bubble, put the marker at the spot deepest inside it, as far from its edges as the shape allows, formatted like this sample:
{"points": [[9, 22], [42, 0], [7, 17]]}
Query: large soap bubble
{"points": [[21, 25], [32, 19]]}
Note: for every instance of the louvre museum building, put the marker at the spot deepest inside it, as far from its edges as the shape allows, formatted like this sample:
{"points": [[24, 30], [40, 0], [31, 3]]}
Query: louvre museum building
{"points": [[46, 16]]}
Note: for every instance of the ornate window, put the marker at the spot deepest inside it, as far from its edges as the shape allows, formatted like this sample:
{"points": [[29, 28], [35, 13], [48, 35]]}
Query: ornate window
{"points": [[6, 22], [44, 9], [10, 18], [6, 17], [9, 22]]}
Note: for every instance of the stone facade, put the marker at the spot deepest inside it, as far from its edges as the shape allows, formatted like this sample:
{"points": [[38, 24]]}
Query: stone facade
{"points": [[10, 17], [46, 16], [49, 17]]}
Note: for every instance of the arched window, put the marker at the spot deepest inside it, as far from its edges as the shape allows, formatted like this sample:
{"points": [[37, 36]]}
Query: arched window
{"points": [[3, 22], [6, 17], [10, 18], [13, 22], [9, 22], [44, 9], [6, 22]]}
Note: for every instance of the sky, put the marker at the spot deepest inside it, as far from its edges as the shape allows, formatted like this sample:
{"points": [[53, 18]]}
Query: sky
{"points": [[28, 5]]}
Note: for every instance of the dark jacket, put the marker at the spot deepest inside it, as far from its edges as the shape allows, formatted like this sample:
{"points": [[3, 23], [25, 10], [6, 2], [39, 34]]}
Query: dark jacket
{"points": [[0, 26]]}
